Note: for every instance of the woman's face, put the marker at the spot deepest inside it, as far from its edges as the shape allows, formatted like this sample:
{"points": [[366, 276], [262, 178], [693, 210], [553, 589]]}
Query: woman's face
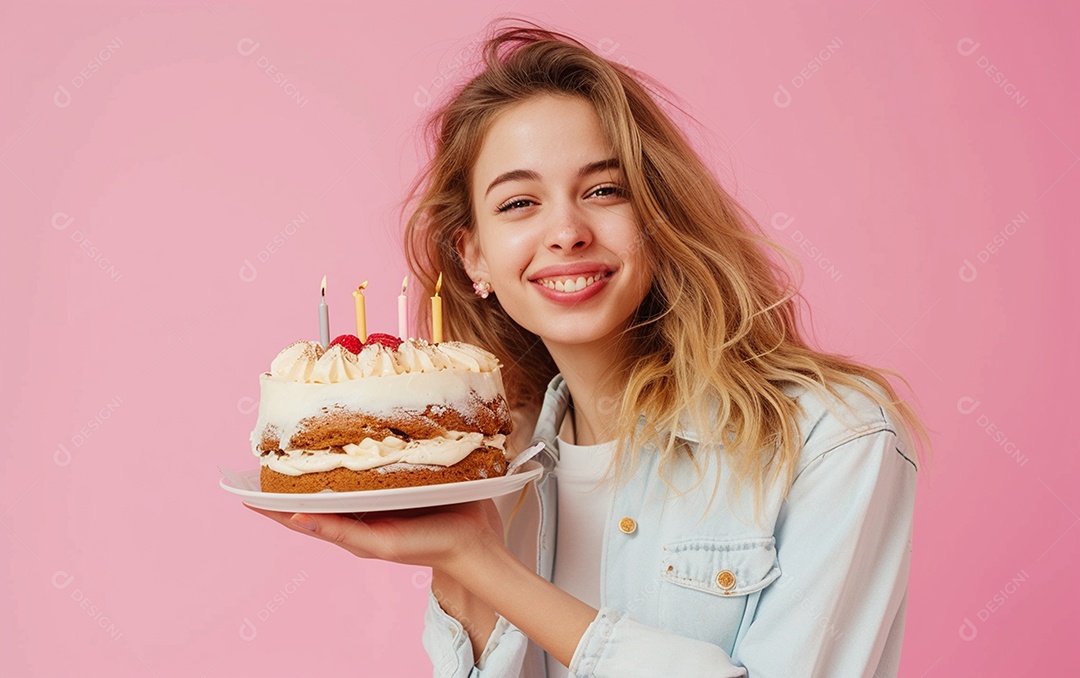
{"points": [[555, 233]]}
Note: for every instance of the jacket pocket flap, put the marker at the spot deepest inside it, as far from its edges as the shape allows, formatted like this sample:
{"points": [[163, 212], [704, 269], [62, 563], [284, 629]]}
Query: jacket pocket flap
{"points": [[725, 568]]}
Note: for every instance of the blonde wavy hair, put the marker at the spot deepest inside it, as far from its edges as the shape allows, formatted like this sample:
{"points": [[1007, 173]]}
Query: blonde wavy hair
{"points": [[717, 336]]}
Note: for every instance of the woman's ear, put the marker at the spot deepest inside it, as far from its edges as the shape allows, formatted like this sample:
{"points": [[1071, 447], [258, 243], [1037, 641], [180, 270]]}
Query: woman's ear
{"points": [[472, 257]]}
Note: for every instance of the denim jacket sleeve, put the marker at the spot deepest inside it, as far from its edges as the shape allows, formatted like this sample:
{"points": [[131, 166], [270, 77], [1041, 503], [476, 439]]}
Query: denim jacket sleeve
{"points": [[447, 645], [843, 543]]}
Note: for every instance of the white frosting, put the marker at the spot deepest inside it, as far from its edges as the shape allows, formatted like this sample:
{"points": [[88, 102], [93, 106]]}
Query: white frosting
{"points": [[307, 362], [296, 361], [284, 404], [440, 452], [306, 381], [337, 364]]}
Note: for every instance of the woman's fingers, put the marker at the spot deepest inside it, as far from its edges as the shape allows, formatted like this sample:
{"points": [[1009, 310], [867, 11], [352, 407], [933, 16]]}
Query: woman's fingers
{"points": [[276, 516], [340, 530], [352, 535], [415, 536], [346, 530]]}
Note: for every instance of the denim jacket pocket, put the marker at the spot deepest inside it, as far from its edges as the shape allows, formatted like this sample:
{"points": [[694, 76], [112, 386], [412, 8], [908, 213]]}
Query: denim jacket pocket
{"points": [[705, 584], [723, 568]]}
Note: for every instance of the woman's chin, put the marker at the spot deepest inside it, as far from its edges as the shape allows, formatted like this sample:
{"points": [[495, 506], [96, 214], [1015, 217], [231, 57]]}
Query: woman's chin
{"points": [[570, 332]]}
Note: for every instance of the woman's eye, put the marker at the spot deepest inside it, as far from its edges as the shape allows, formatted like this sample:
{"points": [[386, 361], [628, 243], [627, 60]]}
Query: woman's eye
{"points": [[514, 204], [602, 192], [605, 191]]}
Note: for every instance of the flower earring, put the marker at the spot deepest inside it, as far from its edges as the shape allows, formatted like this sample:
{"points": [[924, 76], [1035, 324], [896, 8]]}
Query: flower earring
{"points": [[482, 289]]}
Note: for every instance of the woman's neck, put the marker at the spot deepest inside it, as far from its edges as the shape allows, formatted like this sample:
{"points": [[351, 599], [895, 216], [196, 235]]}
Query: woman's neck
{"points": [[595, 394]]}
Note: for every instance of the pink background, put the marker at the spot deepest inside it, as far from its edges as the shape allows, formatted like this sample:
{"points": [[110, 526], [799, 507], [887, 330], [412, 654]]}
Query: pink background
{"points": [[145, 292]]}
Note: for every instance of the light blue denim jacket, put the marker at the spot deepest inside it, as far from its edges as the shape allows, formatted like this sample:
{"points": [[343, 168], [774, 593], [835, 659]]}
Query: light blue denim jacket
{"points": [[817, 588]]}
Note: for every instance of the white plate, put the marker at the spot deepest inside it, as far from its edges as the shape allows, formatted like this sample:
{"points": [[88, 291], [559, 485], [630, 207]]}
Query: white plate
{"points": [[327, 501]]}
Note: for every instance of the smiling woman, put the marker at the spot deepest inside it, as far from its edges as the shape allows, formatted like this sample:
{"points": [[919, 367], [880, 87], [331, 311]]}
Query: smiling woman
{"points": [[653, 348], [551, 236]]}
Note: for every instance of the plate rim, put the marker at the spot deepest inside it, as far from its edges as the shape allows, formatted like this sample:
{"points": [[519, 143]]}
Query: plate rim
{"points": [[530, 471]]}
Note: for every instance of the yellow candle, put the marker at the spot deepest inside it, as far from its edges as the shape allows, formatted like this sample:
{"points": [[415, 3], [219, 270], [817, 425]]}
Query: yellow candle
{"points": [[436, 313], [361, 312]]}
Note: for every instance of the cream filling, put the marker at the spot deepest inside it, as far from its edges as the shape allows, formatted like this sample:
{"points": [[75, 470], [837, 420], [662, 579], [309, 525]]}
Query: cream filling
{"points": [[369, 454]]}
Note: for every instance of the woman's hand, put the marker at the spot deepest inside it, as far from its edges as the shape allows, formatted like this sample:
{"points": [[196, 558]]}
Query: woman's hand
{"points": [[437, 537]]}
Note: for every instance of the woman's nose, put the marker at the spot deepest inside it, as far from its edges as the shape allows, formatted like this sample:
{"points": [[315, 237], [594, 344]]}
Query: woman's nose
{"points": [[568, 231]]}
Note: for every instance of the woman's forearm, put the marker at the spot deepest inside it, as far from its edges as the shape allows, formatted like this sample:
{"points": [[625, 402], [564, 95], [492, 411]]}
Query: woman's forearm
{"points": [[551, 617], [477, 617]]}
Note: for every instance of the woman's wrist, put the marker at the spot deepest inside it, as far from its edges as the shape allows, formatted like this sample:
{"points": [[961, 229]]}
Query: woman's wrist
{"points": [[468, 559], [551, 617], [476, 617]]}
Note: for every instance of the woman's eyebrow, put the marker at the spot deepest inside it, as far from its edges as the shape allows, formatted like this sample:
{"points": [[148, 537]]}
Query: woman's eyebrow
{"points": [[524, 174]]}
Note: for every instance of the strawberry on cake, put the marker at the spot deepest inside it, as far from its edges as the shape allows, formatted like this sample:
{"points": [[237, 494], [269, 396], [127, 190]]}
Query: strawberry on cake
{"points": [[379, 414]]}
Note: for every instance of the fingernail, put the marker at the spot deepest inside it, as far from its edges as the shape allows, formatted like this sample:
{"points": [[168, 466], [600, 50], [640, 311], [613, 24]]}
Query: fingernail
{"points": [[304, 521]]}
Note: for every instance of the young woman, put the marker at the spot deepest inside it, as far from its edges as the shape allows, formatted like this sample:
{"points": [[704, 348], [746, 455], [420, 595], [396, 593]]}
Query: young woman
{"points": [[719, 498]]}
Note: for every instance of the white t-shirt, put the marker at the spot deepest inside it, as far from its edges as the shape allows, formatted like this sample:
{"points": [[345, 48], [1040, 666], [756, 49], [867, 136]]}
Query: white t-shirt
{"points": [[584, 494]]}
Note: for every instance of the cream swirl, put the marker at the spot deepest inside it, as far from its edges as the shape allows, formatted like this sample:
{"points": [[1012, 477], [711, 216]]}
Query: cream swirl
{"points": [[377, 361], [414, 359], [337, 364], [296, 361], [467, 356]]}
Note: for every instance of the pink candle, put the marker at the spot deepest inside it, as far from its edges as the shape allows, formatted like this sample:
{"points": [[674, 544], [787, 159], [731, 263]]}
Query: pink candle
{"points": [[403, 311]]}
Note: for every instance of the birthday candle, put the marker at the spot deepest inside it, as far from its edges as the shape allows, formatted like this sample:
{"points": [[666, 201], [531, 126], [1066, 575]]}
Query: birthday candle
{"points": [[361, 312], [403, 311], [324, 317], [436, 313]]}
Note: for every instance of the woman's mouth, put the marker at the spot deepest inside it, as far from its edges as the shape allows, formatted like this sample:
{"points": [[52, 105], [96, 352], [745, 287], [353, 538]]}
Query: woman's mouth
{"points": [[571, 284], [570, 289]]}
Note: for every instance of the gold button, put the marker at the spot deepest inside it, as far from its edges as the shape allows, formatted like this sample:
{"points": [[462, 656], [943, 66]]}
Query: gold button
{"points": [[725, 579], [627, 525]]}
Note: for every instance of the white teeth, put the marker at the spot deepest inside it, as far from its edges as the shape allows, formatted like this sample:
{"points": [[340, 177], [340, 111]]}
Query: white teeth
{"points": [[570, 285]]}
